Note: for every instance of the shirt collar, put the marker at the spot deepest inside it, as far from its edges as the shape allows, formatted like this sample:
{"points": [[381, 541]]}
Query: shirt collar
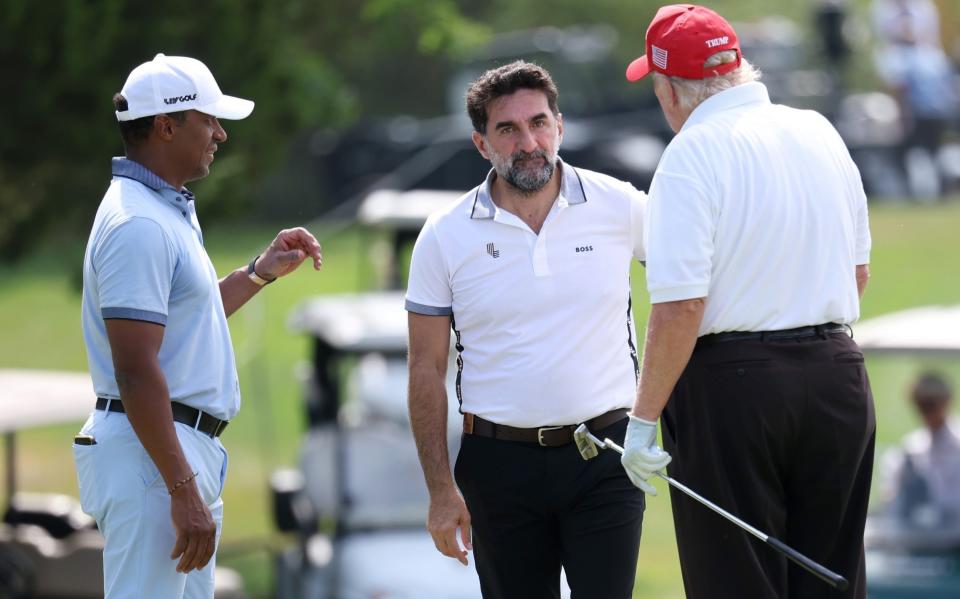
{"points": [[740, 95], [131, 169], [571, 191]]}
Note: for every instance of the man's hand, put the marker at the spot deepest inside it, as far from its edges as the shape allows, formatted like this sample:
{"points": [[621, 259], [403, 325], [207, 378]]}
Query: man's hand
{"points": [[641, 455], [196, 530], [446, 515], [286, 252]]}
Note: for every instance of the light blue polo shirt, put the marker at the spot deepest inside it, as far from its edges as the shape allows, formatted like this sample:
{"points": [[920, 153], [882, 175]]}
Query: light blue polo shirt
{"points": [[145, 261]]}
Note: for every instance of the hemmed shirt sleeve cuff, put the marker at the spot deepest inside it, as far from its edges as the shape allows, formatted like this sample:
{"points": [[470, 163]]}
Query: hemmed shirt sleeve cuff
{"points": [[427, 310], [134, 314], [863, 258], [678, 293]]}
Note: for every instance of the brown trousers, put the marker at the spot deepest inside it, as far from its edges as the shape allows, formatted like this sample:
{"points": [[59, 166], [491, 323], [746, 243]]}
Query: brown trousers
{"points": [[781, 434]]}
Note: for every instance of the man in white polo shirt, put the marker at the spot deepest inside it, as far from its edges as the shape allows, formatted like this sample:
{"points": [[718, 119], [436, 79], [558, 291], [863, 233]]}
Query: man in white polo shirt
{"points": [[757, 253], [150, 463], [531, 271]]}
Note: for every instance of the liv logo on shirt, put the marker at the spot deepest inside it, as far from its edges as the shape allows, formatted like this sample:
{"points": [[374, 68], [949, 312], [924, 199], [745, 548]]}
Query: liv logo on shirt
{"points": [[493, 252]]}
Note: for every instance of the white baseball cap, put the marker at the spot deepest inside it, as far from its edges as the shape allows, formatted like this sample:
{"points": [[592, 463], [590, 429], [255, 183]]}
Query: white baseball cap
{"points": [[174, 83]]}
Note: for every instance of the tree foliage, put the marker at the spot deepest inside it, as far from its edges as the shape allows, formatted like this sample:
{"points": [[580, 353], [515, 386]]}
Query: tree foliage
{"points": [[63, 61], [308, 64]]}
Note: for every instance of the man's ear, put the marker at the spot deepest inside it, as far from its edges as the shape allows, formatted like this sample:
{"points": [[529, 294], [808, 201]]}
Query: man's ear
{"points": [[560, 126], [665, 92], [481, 144], [164, 127], [674, 98]]}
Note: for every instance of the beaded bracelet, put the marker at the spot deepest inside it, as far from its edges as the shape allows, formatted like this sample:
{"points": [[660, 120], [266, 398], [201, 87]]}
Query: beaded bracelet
{"points": [[180, 483]]}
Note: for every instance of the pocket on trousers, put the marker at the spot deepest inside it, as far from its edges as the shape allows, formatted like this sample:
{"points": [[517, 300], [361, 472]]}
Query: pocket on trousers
{"points": [[849, 357], [460, 467], [207, 458], [149, 473], [85, 458]]}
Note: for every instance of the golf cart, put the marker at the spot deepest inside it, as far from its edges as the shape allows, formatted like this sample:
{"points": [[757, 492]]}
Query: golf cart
{"points": [[358, 502], [400, 214], [49, 548], [919, 555]]}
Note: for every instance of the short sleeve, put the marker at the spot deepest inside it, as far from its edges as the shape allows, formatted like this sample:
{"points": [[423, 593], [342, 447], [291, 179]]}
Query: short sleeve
{"points": [[638, 214], [680, 230], [428, 288], [863, 239], [134, 266]]}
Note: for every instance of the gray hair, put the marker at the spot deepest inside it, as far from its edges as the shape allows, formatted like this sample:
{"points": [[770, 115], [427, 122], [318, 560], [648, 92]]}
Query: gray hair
{"points": [[691, 92]]}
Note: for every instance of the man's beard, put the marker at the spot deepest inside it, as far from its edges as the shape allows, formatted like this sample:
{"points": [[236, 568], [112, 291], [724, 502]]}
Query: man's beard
{"points": [[529, 179]]}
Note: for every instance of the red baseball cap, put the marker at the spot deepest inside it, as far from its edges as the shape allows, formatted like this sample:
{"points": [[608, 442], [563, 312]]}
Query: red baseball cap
{"points": [[680, 40]]}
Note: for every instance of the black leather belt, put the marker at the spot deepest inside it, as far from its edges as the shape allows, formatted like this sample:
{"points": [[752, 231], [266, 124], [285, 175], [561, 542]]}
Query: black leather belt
{"points": [[547, 436], [820, 330], [198, 419]]}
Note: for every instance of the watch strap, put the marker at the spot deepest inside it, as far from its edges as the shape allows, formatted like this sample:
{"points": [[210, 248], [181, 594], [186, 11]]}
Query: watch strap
{"points": [[253, 276]]}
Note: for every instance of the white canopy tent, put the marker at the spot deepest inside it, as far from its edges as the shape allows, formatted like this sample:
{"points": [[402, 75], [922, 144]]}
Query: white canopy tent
{"points": [[42, 397], [31, 398], [922, 330]]}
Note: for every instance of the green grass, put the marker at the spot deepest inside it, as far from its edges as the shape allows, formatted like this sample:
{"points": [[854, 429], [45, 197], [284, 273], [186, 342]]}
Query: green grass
{"points": [[915, 252]]}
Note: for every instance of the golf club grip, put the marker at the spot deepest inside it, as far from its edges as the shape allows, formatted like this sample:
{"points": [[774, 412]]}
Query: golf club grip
{"points": [[832, 578]]}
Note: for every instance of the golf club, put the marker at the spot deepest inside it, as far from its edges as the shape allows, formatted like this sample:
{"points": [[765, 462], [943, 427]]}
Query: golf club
{"points": [[587, 444]]}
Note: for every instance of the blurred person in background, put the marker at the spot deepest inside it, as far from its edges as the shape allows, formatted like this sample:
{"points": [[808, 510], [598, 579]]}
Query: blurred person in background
{"points": [[918, 20], [922, 476], [911, 61]]}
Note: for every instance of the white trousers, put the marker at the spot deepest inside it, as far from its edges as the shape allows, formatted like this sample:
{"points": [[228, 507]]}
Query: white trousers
{"points": [[122, 489]]}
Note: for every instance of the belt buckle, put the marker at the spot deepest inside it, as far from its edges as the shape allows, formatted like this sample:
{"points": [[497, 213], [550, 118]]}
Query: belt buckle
{"points": [[543, 429]]}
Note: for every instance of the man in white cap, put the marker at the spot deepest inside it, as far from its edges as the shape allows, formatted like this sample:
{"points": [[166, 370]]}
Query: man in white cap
{"points": [[757, 254], [149, 459]]}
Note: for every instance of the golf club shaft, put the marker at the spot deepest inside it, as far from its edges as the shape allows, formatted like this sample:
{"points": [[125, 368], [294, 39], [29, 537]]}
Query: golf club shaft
{"points": [[828, 576]]}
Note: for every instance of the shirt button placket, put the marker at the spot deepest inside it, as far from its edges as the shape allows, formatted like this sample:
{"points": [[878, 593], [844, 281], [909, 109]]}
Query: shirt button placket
{"points": [[541, 266]]}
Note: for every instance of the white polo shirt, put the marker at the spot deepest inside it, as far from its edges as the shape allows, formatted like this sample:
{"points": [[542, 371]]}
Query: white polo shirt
{"points": [[543, 323], [145, 260], [759, 208]]}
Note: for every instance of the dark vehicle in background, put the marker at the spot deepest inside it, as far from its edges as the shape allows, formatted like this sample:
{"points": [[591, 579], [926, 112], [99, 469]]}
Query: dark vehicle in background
{"points": [[610, 125]]}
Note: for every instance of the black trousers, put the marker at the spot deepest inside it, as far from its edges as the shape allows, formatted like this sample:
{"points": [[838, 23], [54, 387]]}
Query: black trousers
{"points": [[535, 509], [781, 434]]}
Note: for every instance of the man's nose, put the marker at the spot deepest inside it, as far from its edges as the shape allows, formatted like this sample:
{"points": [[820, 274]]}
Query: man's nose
{"points": [[219, 133], [528, 141]]}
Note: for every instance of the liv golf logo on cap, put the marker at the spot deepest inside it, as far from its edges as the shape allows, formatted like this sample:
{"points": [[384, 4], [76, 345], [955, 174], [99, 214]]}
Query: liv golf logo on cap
{"points": [[176, 99]]}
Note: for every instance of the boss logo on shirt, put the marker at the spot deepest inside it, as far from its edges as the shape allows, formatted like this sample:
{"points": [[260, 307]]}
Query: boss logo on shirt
{"points": [[176, 99], [584, 248]]}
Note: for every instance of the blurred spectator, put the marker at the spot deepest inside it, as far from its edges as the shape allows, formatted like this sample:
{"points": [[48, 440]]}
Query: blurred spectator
{"points": [[830, 18], [912, 63], [918, 20], [922, 476]]}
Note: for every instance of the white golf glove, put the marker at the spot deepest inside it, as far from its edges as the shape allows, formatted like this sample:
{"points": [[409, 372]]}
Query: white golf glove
{"points": [[641, 454]]}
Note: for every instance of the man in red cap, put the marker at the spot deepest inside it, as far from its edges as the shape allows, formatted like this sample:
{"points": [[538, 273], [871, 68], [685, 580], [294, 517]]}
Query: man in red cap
{"points": [[757, 255]]}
